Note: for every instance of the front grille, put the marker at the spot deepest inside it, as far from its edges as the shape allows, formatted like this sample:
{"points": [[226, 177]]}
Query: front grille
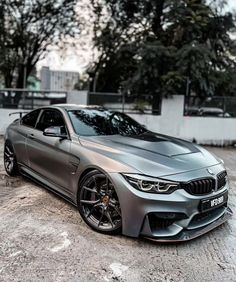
{"points": [[200, 187], [206, 185], [221, 180]]}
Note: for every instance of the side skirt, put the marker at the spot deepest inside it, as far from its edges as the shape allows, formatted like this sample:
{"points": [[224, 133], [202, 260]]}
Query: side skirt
{"points": [[25, 171]]}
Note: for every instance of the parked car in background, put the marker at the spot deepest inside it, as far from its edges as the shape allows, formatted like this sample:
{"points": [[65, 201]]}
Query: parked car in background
{"points": [[206, 112], [121, 176], [212, 112]]}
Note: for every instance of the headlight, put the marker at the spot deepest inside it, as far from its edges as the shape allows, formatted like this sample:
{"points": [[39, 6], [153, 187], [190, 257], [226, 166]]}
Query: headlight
{"points": [[151, 185]]}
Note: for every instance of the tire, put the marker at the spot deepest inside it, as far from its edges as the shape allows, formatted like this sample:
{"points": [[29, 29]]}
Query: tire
{"points": [[98, 203], [10, 161]]}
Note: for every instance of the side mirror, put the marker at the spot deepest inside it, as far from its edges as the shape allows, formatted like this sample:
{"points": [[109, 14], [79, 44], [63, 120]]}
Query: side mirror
{"points": [[55, 131]]}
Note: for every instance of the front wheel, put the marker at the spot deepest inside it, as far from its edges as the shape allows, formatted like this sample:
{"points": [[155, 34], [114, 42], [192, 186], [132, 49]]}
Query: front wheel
{"points": [[98, 203], [10, 162]]}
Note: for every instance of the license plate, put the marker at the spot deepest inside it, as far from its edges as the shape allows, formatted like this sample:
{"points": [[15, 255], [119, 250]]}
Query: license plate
{"points": [[214, 202]]}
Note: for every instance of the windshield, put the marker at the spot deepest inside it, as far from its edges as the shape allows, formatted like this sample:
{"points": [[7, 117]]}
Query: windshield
{"points": [[87, 122]]}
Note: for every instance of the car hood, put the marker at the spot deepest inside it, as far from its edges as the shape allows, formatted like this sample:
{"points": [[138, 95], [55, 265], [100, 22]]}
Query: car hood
{"points": [[152, 154]]}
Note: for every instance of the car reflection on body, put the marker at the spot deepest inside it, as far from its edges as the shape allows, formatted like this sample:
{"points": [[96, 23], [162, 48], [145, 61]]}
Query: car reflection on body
{"points": [[122, 177]]}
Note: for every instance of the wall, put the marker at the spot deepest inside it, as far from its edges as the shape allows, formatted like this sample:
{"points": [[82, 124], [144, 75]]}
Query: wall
{"points": [[5, 119], [208, 130], [77, 97], [205, 130]]}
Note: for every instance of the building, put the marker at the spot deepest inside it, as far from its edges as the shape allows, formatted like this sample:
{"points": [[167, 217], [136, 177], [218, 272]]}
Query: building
{"points": [[45, 77], [58, 80]]}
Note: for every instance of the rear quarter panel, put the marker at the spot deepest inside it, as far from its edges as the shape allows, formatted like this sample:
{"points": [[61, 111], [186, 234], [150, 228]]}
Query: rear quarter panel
{"points": [[17, 135]]}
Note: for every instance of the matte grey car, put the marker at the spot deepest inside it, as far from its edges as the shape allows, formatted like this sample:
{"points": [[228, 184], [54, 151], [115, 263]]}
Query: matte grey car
{"points": [[122, 177]]}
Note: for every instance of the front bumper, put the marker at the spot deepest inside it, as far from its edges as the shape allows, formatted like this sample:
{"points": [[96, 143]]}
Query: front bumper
{"points": [[187, 235], [186, 221]]}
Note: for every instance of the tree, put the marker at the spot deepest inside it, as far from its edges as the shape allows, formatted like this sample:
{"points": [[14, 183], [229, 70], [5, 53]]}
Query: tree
{"points": [[169, 42], [82, 83], [27, 28]]}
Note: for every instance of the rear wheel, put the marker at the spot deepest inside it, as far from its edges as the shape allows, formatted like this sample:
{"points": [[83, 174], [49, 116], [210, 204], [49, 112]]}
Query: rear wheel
{"points": [[10, 162], [98, 203]]}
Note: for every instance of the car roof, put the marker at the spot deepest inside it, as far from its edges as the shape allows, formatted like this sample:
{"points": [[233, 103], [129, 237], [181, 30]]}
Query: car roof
{"points": [[71, 107]]}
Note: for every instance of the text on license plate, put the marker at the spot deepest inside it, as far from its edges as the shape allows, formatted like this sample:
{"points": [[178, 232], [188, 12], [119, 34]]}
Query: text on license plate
{"points": [[217, 201]]}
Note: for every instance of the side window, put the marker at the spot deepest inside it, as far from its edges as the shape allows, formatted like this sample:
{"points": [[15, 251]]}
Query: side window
{"points": [[51, 118], [31, 118]]}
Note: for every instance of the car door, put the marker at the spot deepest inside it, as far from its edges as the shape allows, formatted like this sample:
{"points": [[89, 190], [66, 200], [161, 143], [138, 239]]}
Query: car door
{"points": [[49, 156], [22, 131]]}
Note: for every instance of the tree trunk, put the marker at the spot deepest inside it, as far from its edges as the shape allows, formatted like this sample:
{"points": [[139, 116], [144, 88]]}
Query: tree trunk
{"points": [[156, 103], [8, 80], [20, 77], [157, 20]]}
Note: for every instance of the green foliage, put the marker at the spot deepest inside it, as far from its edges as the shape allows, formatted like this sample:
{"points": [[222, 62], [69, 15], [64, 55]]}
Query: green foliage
{"points": [[27, 28], [151, 46], [82, 83]]}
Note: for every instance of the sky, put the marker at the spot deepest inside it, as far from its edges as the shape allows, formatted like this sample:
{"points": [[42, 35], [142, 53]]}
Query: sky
{"points": [[76, 58], [232, 4]]}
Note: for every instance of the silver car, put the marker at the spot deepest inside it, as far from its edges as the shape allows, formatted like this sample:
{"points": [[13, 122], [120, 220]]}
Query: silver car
{"points": [[122, 177]]}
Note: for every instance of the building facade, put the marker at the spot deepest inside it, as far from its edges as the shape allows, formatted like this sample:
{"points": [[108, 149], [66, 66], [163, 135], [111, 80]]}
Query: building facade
{"points": [[58, 80]]}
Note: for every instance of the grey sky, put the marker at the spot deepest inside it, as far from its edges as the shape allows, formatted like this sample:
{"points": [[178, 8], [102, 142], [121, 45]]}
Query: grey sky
{"points": [[232, 4]]}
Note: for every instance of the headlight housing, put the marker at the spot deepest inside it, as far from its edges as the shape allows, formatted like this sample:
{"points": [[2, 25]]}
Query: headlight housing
{"points": [[150, 184]]}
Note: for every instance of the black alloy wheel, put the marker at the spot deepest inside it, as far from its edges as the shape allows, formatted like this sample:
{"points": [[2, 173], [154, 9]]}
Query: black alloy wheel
{"points": [[10, 162], [98, 203]]}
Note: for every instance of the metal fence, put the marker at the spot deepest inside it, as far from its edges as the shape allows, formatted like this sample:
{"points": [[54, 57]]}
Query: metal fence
{"points": [[28, 99], [133, 104], [224, 107]]}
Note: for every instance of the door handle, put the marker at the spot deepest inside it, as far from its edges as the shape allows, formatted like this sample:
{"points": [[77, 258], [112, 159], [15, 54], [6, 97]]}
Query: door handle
{"points": [[31, 136]]}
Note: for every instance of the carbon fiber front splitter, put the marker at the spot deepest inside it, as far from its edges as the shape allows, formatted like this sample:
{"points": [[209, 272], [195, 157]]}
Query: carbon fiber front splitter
{"points": [[187, 235]]}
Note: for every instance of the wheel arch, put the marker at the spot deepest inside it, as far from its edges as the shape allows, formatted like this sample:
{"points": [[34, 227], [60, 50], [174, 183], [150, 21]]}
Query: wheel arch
{"points": [[86, 171], [82, 175]]}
